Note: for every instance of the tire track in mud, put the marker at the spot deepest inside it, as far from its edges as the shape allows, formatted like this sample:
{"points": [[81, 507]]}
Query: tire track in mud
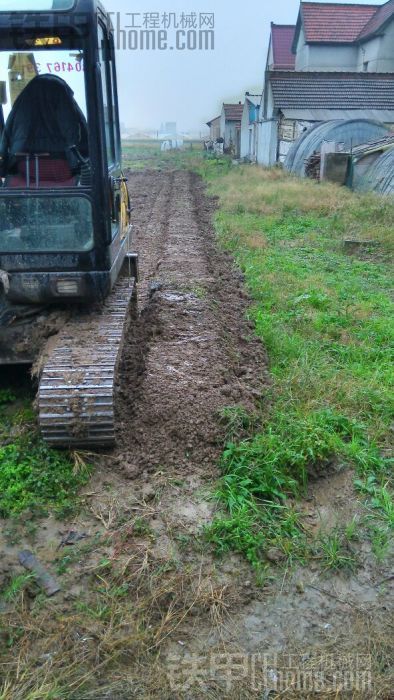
{"points": [[192, 352]]}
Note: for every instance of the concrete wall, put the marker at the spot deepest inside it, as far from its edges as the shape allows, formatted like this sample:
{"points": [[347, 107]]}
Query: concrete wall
{"points": [[247, 142], [385, 61], [267, 108], [368, 53], [222, 124], [253, 153], [378, 53], [327, 58], [302, 55], [270, 57], [245, 128], [214, 129]]}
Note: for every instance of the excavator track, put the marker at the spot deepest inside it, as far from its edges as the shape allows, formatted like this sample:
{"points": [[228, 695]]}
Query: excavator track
{"points": [[76, 397]]}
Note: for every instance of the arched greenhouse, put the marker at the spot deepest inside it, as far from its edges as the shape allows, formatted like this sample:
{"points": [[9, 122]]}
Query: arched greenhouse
{"points": [[345, 133]]}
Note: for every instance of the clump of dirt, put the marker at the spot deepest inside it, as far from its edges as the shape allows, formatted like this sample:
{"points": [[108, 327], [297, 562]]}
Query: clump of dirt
{"points": [[25, 330]]}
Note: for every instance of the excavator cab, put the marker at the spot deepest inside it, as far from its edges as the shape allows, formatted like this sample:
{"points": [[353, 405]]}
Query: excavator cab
{"points": [[64, 204]]}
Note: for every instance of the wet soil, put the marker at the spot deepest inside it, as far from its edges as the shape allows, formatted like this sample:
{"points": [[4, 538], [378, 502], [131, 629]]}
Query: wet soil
{"points": [[196, 350], [191, 353]]}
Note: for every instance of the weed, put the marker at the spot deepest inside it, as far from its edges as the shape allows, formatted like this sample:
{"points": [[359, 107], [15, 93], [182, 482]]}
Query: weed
{"points": [[16, 587], [351, 530], [184, 541], [64, 564], [100, 612], [237, 422], [334, 552], [381, 541], [79, 553], [142, 528]]}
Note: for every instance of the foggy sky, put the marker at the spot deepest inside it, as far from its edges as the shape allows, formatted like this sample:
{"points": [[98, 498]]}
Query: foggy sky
{"points": [[189, 86]]}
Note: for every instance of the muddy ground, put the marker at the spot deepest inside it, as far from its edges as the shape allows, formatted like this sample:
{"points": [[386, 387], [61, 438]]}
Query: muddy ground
{"points": [[191, 354], [196, 351]]}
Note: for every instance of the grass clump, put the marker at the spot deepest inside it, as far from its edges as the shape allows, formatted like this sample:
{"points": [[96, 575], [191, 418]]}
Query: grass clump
{"points": [[326, 319], [334, 552], [33, 477]]}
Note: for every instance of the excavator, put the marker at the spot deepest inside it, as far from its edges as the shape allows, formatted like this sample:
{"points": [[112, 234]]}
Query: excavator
{"points": [[67, 273]]}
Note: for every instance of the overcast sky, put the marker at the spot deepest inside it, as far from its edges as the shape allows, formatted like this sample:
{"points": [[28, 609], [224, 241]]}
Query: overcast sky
{"points": [[189, 86]]}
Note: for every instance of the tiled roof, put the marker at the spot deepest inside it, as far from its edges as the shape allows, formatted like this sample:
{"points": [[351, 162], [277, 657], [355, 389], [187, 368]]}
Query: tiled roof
{"points": [[380, 17], [282, 40], [233, 113], [332, 90], [334, 22]]}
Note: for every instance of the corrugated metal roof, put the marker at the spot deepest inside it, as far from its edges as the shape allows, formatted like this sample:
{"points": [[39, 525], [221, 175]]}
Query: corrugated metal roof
{"points": [[282, 39], [335, 22], [309, 90], [233, 112]]}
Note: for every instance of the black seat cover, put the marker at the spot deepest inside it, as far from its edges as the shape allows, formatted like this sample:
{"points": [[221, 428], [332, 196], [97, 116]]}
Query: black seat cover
{"points": [[44, 119]]}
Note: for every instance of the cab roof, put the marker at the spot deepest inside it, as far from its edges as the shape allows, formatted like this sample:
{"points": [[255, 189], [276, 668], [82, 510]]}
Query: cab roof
{"points": [[49, 7]]}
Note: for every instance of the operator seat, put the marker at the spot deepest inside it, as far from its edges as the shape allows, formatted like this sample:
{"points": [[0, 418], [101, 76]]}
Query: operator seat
{"points": [[45, 141]]}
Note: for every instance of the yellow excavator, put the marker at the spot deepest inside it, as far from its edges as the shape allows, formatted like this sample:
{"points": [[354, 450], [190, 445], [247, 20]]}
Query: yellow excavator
{"points": [[67, 273]]}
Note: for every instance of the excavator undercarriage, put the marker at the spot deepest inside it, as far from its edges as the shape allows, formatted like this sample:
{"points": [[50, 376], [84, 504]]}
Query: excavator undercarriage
{"points": [[75, 356]]}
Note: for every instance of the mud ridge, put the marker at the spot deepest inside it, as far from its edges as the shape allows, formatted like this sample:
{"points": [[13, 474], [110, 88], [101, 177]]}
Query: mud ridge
{"points": [[193, 351]]}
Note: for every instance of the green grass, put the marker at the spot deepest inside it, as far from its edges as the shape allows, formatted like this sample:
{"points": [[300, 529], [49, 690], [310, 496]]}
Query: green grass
{"points": [[327, 321], [138, 155], [334, 552], [16, 587], [33, 477]]}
